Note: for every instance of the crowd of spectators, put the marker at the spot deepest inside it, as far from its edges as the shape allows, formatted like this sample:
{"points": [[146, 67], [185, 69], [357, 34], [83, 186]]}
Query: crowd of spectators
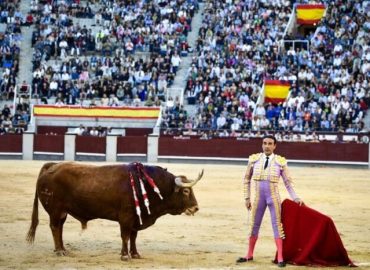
{"points": [[14, 124], [239, 47], [175, 116], [10, 43], [102, 68], [333, 77], [93, 131], [105, 81], [133, 51], [281, 136]]}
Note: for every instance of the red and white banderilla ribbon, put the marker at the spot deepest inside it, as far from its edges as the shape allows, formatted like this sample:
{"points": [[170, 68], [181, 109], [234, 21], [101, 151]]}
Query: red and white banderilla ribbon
{"points": [[151, 182], [137, 204], [145, 196]]}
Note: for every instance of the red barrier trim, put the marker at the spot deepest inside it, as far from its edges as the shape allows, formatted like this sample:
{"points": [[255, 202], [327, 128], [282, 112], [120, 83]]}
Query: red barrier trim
{"points": [[310, 6], [86, 116], [307, 22], [101, 107], [276, 82]]}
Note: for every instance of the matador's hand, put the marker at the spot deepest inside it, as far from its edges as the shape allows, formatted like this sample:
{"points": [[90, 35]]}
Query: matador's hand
{"points": [[299, 201]]}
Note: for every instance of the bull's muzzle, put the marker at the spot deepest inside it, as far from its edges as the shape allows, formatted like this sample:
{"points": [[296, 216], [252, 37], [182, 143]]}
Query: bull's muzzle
{"points": [[191, 210]]}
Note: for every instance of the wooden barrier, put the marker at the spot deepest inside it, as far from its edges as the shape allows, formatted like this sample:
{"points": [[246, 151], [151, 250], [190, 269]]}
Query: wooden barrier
{"points": [[11, 143], [48, 143], [132, 145], [51, 129], [217, 147], [234, 148], [138, 131], [184, 148], [90, 144], [354, 152]]}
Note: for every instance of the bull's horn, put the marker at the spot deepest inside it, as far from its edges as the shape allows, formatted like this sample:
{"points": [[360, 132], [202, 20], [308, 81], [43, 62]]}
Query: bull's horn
{"points": [[178, 181]]}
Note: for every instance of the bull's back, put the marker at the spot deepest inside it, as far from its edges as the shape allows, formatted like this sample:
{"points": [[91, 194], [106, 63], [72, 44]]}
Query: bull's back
{"points": [[85, 191]]}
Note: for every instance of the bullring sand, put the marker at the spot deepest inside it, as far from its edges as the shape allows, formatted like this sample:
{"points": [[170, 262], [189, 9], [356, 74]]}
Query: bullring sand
{"points": [[212, 239]]}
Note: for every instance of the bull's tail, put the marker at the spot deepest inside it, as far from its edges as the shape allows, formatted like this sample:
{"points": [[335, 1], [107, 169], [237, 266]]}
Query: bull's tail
{"points": [[34, 221], [35, 211]]}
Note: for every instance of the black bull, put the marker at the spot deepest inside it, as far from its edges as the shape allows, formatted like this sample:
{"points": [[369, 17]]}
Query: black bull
{"points": [[89, 192]]}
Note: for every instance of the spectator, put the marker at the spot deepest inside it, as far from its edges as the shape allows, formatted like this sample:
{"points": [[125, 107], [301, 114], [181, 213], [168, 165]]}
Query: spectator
{"points": [[80, 130]]}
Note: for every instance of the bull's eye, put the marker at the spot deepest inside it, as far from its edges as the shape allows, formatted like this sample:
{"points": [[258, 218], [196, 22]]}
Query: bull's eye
{"points": [[186, 191]]}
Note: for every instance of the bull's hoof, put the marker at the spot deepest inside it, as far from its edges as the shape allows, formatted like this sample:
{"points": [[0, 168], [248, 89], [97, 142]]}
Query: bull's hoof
{"points": [[125, 258], [135, 256], [61, 252]]}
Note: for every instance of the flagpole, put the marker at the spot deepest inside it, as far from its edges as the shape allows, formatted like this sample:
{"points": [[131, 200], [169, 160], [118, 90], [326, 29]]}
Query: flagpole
{"points": [[260, 99], [287, 98]]}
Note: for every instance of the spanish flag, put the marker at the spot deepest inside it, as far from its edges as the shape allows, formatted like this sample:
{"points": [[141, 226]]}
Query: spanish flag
{"points": [[96, 112], [276, 91], [309, 14]]}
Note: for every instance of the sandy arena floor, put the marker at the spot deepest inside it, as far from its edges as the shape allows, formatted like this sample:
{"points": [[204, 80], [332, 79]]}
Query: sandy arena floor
{"points": [[212, 239]]}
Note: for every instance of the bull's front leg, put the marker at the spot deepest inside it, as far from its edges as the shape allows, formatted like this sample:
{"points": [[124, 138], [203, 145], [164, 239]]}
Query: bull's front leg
{"points": [[133, 250], [125, 235]]}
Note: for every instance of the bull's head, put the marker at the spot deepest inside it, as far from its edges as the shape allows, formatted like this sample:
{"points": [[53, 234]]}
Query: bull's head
{"points": [[184, 199]]}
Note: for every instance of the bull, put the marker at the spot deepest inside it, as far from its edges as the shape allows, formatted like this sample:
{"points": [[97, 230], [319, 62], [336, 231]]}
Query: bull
{"points": [[88, 192]]}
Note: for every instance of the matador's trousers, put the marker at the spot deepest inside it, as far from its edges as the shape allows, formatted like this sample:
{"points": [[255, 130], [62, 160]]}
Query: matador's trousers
{"points": [[267, 194]]}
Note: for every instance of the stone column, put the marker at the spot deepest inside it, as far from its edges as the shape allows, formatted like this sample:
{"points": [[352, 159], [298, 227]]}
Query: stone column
{"points": [[368, 159], [27, 145], [111, 148], [152, 153], [69, 146]]}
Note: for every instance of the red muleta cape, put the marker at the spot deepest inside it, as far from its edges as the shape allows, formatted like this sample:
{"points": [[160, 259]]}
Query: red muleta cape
{"points": [[311, 238]]}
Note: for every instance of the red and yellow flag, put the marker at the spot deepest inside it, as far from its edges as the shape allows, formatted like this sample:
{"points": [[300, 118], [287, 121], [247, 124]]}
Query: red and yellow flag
{"points": [[96, 112], [309, 14], [276, 91]]}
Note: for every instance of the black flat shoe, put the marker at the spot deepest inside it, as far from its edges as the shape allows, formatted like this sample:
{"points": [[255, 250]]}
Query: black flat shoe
{"points": [[243, 260], [281, 264]]}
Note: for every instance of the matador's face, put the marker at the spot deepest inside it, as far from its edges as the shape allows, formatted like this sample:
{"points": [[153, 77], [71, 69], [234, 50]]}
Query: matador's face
{"points": [[268, 146]]}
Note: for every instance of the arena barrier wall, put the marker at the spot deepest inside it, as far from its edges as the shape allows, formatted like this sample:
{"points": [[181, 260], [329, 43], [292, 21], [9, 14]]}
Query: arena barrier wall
{"points": [[138, 131], [131, 148], [48, 147], [233, 149], [11, 146], [51, 130], [217, 147], [153, 148]]}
